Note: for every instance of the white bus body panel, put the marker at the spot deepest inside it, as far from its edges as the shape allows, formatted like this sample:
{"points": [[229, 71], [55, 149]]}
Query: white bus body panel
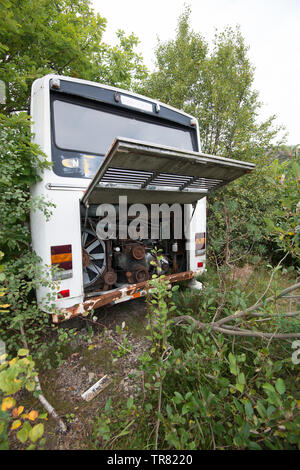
{"points": [[63, 227]]}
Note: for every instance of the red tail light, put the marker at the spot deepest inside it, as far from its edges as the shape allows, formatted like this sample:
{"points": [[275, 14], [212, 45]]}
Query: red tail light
{"points": [[63, 293]]}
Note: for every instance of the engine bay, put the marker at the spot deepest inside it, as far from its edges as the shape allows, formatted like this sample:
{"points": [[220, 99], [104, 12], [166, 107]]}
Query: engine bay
{"points": [[114, 262]]}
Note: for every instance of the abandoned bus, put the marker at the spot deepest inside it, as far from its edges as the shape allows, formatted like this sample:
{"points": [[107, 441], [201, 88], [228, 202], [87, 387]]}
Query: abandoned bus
{"points": [[127, 178]]}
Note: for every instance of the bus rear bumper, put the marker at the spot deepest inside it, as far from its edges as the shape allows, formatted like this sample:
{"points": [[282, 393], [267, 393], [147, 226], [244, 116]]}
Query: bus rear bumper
{"points": [[130, 291]]}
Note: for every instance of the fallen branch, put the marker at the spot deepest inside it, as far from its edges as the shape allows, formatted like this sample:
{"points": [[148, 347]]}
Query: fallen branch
{"points": [[48, 406], [254, 307], [44, 402], [233, 331]]}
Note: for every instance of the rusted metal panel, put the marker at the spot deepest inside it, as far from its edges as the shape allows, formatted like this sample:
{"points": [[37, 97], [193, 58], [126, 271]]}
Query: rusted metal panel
{"points": [[128, 292]]}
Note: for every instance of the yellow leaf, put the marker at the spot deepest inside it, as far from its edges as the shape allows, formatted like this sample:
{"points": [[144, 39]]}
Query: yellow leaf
{"points": [[23, 352], [13, 361], [16, 424], [4, 305], [32, 415], [17, 411], [7, 403]]}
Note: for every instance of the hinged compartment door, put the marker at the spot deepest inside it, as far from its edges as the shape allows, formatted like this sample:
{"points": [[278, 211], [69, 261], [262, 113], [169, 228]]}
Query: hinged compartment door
{"points": [[149, 173]]}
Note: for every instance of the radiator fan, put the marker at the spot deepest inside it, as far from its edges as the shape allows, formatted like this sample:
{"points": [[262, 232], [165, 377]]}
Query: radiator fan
{"points": [[93, 257]]}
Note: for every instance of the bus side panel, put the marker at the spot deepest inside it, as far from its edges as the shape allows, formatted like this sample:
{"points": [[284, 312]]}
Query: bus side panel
{"points": [[61, 230], [63, 227], [195, 221]]}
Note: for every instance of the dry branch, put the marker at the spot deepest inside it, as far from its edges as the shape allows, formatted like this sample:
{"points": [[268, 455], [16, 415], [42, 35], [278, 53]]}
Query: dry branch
{"points": [[256, 306], [221, 326], [233, 331]]}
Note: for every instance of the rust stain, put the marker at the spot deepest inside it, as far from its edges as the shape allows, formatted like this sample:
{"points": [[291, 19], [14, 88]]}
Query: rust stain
{"points": [[131, 291]]}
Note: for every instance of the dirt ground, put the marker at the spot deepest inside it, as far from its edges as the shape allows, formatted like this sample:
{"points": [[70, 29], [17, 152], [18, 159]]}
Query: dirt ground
{"points": [[86, 365]]}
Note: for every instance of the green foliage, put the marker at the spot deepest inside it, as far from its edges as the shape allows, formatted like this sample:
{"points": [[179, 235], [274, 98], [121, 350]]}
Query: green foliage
{"points": [[21, 162], [15, 375], [179, 65], [284, 227], [39, 37], [123, 348], [216, 86], [61, 36], [228, 400], [153, 369], [202, 390], [236, 215], [49, 345], [22, 275]]}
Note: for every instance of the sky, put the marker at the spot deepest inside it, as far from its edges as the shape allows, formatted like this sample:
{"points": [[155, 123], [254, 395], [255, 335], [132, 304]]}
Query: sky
{"points": [[270, 28]]}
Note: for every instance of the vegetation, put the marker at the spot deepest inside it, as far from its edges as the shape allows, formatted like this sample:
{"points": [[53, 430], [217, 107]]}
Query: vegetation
{"points": [[216, 86], [203, 390], [217, 371], [69, 44]]}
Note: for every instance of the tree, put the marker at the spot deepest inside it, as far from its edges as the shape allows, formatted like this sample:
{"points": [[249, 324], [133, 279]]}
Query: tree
{"points": [[39, 37], [285, 225], [216, 86], [179, 68], [61, 36]]}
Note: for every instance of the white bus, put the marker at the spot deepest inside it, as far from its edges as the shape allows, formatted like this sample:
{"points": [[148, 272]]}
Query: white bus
{"points": [[111, 149]]}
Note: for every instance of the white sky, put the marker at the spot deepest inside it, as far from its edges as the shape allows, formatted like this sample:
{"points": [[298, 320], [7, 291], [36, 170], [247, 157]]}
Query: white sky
{"points": [[270, 28]]}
